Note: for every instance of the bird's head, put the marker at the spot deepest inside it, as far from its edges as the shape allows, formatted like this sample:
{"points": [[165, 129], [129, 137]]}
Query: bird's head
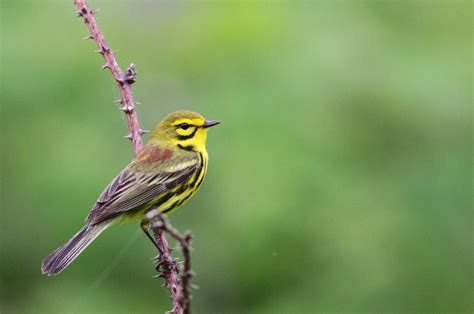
{"points": [[185, 129]]}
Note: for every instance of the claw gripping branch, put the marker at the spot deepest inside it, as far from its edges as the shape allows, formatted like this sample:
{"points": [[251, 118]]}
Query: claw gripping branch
{"points": [[166, 265]]}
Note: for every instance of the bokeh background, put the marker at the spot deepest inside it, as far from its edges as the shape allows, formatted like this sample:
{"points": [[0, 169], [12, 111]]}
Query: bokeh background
{"points": [[340, 180]]}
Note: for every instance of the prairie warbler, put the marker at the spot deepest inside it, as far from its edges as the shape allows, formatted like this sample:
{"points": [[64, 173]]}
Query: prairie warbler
{"points": [[166, 173]]}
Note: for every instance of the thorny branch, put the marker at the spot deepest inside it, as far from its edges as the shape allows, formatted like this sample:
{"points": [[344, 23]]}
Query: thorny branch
{"points": [[166, 265], [124, 81]]}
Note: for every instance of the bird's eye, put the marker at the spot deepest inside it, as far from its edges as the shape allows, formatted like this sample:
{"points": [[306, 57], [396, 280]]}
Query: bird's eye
{"points": [[183, 126]]}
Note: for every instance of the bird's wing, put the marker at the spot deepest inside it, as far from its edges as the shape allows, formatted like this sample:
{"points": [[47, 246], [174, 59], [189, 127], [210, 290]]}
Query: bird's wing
{"points": [[139, 183]]}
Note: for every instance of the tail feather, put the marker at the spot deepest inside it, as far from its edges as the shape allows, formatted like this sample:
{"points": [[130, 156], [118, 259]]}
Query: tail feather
{"points": [[65, 255]]}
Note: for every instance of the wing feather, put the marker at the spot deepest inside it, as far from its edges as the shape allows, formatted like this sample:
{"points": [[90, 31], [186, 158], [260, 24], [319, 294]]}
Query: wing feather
{"points": [[134, 187]]}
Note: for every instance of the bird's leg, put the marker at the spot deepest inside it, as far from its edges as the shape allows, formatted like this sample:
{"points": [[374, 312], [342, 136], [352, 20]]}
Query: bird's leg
{"points": [[155, 229], [146, 226]]}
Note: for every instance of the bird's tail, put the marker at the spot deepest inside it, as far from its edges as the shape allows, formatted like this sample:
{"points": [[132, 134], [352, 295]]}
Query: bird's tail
{"points": [[63, 256]]}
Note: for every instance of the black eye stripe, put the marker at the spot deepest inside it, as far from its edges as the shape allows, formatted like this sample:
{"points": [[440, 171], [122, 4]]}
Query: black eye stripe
{"points": [[184, 126], [186, 137]]}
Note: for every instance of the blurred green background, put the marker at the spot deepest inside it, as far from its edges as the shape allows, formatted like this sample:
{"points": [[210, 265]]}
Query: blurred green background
{"points": [[340, 180]]}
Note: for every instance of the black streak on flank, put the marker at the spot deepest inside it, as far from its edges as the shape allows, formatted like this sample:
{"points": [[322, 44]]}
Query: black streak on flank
{"points": [[184, 199], [199, 172], [175, 204], [202, 167], [165, 198], [178, 203], [196, 178], [200, 181], [183, 188], [188, 147]]}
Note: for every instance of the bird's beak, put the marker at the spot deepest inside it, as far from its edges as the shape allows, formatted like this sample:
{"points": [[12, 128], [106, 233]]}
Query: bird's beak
{"points": [[210, 123]]}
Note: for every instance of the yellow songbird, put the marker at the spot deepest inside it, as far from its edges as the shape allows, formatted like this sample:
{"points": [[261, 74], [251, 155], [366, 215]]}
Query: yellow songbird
{"points": [[166, 173]]}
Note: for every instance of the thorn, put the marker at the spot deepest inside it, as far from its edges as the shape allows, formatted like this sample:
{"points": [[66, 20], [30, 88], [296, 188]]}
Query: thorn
{"points": [[143, 131], [99, 51], [188, 236], [137, 103], [129, 136], [126, 109], [160, 275], [94, 11], [79, 14], [189, 274], [131, 74], [193, 286], [118, 101], [90, 36], [106, 66]]}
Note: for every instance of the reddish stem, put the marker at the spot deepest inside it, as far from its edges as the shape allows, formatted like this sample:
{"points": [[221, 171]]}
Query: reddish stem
{"points": [[124, 81], [179, 288]]}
